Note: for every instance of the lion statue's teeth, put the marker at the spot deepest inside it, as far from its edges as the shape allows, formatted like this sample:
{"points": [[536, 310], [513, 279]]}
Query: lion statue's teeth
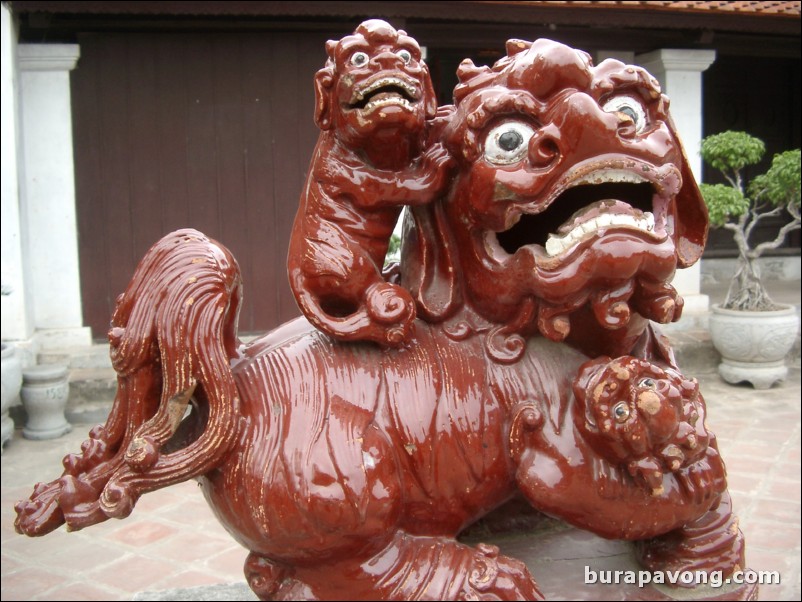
{"points": [[555, 245], [383, 83], [389, 100], [602, 176]]}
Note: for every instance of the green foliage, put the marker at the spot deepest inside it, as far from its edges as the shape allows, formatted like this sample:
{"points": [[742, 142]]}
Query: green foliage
{"points": [[739, 211], [723, 202], [395, 244], [780, 184], [393, 250], [730, 152]]}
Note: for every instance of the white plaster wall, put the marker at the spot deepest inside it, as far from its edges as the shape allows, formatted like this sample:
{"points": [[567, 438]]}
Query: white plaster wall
{"points": [[686, 110], [49, 179], [49, 193], [685, 90], [17, 323], [680, 75]]}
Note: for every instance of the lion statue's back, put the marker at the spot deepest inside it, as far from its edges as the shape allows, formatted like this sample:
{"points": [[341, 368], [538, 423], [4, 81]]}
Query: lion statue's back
{"points": [[344, 444]]}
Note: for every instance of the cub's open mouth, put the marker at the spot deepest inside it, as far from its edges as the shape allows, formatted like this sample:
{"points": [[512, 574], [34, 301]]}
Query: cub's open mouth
{"points": [[384, 91], [584, 210]]}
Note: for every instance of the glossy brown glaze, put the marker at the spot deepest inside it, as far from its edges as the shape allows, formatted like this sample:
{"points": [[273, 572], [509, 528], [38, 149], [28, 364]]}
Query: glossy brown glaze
{"points": [[532, 370], [172, 336]]}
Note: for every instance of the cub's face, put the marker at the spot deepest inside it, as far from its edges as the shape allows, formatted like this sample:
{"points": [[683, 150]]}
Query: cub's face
{"points": [[630, 410], [375, 81]]}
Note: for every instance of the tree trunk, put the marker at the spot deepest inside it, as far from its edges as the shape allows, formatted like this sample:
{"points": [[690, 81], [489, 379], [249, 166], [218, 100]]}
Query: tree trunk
{"points": [[746, 290]]}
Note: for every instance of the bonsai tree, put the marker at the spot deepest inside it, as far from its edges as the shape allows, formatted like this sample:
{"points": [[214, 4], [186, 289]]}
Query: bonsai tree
{"points": [[739, 207]]}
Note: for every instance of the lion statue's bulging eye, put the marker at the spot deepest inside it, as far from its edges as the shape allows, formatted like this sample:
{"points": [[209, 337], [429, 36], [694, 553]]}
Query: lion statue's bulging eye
{"points": [[621, 411], [508, 142], [359, 58], [629, 107], [404, 55], [647, 382]]}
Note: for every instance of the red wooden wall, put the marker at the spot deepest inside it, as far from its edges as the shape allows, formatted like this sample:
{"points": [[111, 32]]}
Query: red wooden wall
{"points": [[213, 132]]}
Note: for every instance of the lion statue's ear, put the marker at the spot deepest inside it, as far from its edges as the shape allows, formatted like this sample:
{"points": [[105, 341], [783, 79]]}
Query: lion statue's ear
{"points": [[429, 262], [429, 94], [692, 219], [324, 79]]}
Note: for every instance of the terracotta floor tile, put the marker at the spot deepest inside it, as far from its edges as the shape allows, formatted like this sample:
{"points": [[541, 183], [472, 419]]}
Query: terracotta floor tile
{"points": [[142, 534], [78, 592], [783, 489], [229, 563], [774, 536], [28, 583], [193, 578], [191, 547], [131, 574]]}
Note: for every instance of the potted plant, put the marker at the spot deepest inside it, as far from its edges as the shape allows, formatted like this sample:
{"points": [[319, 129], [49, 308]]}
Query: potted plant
{"points": [[752, 333]]}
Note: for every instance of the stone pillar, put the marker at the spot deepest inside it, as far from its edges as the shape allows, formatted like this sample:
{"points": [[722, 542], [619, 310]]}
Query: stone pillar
{"points": [[680, 75], [48, 194], [17, 321]]}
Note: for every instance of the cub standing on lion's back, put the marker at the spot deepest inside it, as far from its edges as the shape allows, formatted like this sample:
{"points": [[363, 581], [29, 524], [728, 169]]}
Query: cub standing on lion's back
{"points": [[376, 109]]}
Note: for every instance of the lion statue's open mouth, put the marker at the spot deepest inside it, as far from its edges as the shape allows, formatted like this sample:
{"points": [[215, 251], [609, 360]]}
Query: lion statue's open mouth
{"points": [[591, 203], [384, 91]]}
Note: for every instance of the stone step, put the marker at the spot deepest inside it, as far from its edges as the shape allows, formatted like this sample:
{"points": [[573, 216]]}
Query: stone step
{"points": [[92, 393], [694, 351], [96, 356]]}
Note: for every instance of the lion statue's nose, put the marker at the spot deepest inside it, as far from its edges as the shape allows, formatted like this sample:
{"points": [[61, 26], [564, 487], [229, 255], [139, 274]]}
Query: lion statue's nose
{"points": [[544, 149]]}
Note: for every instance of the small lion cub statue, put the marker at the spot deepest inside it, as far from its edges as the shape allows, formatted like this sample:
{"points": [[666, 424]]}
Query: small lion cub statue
{"points": [[637, 414], [377, 152]]}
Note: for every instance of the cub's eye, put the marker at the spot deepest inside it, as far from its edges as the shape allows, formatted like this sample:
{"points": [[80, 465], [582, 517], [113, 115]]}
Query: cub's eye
{"points": [[404, 55], [631, 108], [621, 411], [508, 143], [359, 58], [647, 382]]}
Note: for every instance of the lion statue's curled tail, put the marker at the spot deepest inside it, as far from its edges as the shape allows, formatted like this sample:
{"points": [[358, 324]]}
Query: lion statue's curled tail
{"points": [[173, 336]]}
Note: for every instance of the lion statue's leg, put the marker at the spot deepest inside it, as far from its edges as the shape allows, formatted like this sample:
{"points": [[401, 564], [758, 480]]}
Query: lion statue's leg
{"points": [[712, 543], [407, 568], [272, 581]]}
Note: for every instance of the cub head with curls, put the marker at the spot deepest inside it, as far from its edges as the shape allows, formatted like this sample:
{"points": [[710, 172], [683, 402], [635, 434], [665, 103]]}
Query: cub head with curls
{"points": [[634, 413]]}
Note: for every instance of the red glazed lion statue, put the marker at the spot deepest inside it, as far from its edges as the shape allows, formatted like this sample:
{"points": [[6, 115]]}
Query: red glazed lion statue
{"points": [[349, 468]]}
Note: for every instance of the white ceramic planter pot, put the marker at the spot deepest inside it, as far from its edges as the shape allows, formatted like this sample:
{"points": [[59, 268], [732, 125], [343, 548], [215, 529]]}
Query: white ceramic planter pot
{"points": [[45, 390], [12, 381], [753, 344]]}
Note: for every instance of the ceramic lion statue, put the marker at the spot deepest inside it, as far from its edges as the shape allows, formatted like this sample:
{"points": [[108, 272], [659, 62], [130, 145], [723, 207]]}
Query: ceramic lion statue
{"points": [[348, 468]]}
